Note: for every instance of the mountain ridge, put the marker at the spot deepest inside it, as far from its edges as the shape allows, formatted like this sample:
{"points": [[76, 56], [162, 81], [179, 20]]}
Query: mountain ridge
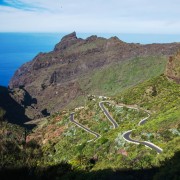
{"points": [[57, 75], [71, 39]]}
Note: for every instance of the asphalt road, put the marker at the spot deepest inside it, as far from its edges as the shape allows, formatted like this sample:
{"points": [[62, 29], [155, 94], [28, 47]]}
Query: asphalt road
{"points": [[115, 124], [127, 137], [143, 121], [127, 134], [83, 127]]}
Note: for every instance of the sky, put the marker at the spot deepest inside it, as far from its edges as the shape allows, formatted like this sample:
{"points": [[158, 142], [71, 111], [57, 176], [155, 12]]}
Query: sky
{"points": [[88, 16]]}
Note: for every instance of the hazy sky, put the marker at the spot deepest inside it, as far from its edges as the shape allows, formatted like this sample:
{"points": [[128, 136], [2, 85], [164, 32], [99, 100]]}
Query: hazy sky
{"points": [[107, 16]]}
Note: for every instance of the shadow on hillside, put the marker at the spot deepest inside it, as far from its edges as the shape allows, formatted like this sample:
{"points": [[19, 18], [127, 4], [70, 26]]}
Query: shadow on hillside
{"points": [[169, 170], [15, 113], [45, 112], [28, 99]]}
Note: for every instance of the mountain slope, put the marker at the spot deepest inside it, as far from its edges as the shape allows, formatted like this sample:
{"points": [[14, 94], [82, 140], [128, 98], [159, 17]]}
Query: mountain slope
{"points": [[77, 66], [63, 140], [60, 148]]}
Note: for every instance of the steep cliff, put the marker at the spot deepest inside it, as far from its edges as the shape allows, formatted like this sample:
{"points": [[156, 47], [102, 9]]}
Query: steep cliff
{"points": [[173, 67]]}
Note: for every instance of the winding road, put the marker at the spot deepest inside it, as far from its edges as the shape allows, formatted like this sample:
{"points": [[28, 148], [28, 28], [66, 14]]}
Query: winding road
{"points": [[115, 124], [127, 134], [85, 128], [127, 137]]}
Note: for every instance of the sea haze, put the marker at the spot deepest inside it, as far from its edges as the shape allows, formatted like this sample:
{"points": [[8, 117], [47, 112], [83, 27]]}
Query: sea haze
{"points": [[18, 48]]}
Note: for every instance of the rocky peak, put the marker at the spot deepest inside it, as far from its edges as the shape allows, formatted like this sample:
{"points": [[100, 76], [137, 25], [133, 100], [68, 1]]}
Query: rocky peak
{"points": [[67, 41], [91, 38], [69, 37]]}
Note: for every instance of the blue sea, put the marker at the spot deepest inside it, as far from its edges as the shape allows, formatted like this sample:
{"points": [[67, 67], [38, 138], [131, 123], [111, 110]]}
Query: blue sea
{"points": [[19, 48]]}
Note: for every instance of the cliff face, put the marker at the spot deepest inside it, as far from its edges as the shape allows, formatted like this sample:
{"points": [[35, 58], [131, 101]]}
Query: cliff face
{"points": [[51, 78], [173, 68]]}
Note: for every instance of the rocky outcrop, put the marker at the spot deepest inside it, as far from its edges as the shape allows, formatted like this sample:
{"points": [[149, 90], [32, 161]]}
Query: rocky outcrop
{"points": [[52, 78], [67, 41], [173, 68]]}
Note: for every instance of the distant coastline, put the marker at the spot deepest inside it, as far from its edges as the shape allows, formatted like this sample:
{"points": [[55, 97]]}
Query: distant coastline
{"points": [[18, 48]]}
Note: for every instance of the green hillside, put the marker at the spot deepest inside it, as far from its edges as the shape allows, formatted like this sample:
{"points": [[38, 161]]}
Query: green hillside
{"points": [[14, 151], [117, 77], [162, 98], [59, 148], [114, 78], [63, 141]]}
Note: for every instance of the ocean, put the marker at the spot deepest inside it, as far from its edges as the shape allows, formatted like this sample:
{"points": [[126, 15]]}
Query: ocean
{"points": [[19, 48]]}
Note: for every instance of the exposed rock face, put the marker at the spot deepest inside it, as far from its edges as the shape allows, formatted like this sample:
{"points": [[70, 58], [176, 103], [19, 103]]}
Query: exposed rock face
{"points": [[51, 78], [67, 41], [173, 67]]}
